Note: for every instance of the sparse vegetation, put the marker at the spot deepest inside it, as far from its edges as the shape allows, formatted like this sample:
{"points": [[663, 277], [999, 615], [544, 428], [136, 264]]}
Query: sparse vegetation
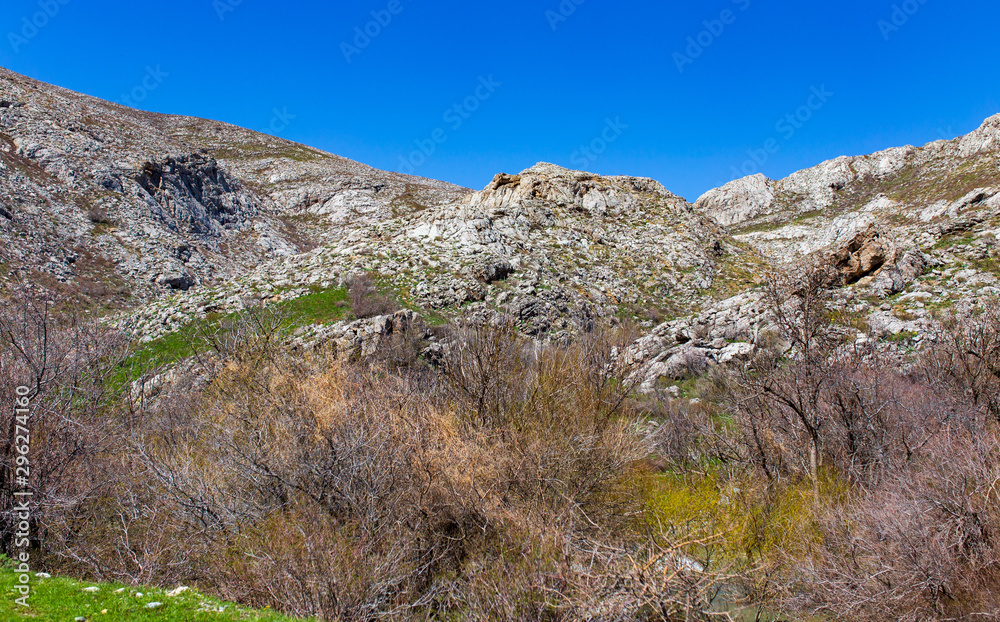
{"points": [[98, 216], [356, 395]]}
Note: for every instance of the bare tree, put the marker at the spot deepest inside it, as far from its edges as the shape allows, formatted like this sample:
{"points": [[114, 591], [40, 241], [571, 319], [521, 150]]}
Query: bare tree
{"points": [[969, 355], [780, 400], [69, 368]]}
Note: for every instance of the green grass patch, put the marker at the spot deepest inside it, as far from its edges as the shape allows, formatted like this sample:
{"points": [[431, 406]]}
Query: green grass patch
{"points": [[322, 306], [261, 151], [805, 217], [953, 240], [990, 264], [60, 599], [858, 320], [940, 180], [751, 521], [901, 337]]}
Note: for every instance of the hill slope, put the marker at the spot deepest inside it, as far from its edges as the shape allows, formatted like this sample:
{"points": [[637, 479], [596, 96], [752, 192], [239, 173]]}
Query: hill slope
{"points": [[171, 219], [919, 193], [101, 200]]}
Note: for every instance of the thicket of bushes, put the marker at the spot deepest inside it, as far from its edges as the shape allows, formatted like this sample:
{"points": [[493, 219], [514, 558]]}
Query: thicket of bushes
{"points": [[515, 481]]}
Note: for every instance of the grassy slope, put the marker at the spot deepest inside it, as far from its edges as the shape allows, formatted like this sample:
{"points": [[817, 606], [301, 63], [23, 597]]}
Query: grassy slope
{"points": [[59, 600], [320, 307]]}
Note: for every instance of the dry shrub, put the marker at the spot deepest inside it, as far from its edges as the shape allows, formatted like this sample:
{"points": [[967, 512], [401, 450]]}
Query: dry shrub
{"points": [[924, 545], [355, 490], [556, 413], [365, 299], [916, 535], [687, 434], [857, 417], [827, 405], [519, 481], [663, 581], [968, 356], [488, 370], [98, 216], [127, 533], [678, 433], [294, 467], [778, 403], [67, 366]]}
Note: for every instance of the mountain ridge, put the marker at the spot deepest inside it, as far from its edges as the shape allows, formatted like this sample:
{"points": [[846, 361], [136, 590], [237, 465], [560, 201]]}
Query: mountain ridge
{"points": [[161, 220]]}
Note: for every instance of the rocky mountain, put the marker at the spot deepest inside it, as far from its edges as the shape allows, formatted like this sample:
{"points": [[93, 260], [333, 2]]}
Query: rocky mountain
{"points": [[163, 220], [103, 201], [555, 249], [911, 233], [909, 190], [114, 205]]}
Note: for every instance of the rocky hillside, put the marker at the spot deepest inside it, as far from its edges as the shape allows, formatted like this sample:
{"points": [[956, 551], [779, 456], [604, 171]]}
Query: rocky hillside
{"points": [[170, 219], [106, 203], [910, 232], [920, 193], [114, 206]]}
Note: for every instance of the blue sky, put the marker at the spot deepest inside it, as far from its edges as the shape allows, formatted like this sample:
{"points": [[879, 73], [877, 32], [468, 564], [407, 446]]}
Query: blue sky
{"points": [[691, 94]]}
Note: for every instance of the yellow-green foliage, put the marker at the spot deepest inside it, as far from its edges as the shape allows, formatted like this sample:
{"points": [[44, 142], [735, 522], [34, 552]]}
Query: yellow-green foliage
{"points": [[743, 520]]}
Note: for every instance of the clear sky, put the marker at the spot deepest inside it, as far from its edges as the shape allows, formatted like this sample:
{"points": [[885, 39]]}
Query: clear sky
{"points": [[692, 94]]}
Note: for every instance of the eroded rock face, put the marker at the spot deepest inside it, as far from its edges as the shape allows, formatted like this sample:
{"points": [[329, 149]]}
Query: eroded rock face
{"points": [[123, 189], [986, 138], [193, 195], [895, 277], [548, 183], [871, 260]]}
